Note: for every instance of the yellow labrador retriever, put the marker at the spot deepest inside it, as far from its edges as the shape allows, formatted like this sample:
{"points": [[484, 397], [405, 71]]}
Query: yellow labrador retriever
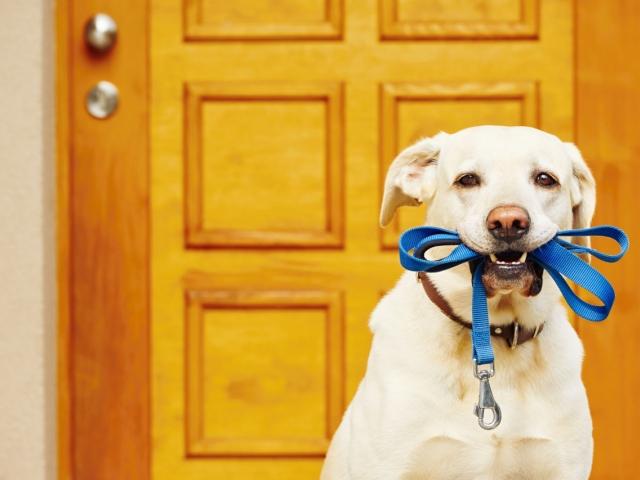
{"points": [[506, 190]]}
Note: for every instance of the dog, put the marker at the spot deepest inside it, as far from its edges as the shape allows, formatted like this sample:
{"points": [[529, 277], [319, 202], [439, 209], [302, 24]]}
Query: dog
{"points": [[506, 191]]}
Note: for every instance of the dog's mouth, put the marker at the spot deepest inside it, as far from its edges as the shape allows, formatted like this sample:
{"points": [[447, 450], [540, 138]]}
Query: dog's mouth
{"points": [[509, 271]]}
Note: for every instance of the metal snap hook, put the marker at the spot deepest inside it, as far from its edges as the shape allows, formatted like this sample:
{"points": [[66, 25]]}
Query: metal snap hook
{"points": [[485, 398]]}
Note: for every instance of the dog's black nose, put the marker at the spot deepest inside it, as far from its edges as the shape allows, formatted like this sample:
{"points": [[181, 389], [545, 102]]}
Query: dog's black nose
{"points": [[508, 222]]}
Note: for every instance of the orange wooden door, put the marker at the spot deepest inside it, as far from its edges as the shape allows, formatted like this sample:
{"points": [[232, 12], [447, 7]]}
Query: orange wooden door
{"points": [[224, 248]]}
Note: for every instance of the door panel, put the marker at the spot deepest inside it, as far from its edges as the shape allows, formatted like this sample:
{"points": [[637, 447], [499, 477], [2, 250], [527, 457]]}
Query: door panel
{"points": [[272, 124], [459, 19], [227, 170], [250, 20], [281, 395]]}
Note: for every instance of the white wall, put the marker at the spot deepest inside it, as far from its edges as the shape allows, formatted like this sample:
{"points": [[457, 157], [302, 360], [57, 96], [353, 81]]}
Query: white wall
{"points": [[27, 242]]}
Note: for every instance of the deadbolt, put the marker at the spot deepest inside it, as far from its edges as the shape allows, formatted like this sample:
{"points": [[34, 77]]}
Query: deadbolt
{"points": [[101, 33], [102, 99]]}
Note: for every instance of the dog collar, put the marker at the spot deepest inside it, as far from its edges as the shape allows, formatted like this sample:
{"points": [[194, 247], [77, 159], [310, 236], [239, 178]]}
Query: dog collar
{"points": [[513, 334], [560, 259]]}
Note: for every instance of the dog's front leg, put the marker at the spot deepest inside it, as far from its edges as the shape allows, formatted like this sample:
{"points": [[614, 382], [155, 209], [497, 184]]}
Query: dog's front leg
{"points": [[336, 464]]}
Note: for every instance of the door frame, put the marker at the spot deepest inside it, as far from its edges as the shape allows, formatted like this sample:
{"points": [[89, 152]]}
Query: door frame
{"points": [[63, 404], [92, 444]]}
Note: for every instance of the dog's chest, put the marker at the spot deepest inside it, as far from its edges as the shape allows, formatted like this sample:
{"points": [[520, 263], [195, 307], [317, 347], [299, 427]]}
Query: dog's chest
{"points": [[498, 458], [456, 448]]}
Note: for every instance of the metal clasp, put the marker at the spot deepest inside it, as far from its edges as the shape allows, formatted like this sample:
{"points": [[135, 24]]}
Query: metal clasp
{"points": [[516, 334], [485, 398]]}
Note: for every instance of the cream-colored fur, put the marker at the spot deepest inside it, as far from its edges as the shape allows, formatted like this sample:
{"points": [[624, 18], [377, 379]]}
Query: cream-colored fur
{"points": [[411, 417]]}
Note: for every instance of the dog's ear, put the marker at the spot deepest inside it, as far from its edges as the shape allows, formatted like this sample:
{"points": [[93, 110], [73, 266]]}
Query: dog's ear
{"points": [[411, 177], [583, 192]]}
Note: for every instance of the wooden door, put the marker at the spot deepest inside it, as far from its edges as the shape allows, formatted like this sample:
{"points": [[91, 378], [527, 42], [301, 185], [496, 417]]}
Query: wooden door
{"points": [[223, 252], [271, 127]]}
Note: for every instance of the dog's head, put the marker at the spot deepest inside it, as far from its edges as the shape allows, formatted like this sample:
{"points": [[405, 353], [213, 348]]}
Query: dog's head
{"points": [[506, 190]]}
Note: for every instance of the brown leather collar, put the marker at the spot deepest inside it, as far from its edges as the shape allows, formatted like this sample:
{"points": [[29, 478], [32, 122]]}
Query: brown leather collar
{"points": [[514, 334]]}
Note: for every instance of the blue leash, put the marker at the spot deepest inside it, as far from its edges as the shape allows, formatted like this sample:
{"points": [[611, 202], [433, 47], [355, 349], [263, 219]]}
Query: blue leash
{"points": [[558, 257]]}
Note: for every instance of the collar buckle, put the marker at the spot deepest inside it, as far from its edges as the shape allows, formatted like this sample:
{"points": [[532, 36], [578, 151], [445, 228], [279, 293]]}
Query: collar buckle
{"points": [[516, 334]]}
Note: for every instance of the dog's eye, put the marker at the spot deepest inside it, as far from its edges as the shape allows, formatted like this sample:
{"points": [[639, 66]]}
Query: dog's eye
{"points": [[468, 180], [545, 180]]}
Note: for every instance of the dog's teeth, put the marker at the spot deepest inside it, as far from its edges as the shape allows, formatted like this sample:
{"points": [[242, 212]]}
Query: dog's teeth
{"points": [[523, 257], [493, 258]]}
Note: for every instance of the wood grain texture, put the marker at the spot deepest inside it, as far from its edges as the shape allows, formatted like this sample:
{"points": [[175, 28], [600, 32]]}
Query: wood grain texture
{"points": [[458, 21], [329, 97], [109, 249], [247, 20], [276, 328], [607, 104]]}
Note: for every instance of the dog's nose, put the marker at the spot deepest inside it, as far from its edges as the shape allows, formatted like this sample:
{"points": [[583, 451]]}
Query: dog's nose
{"points": [[508, 222]]}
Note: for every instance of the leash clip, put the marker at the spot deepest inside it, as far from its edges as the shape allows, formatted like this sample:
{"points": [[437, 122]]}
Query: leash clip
{"points": [[485, 398]]}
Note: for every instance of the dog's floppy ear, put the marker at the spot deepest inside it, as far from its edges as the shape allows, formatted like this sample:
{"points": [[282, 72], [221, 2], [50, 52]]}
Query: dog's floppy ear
{"points": [[583, 192], [411, 178]]}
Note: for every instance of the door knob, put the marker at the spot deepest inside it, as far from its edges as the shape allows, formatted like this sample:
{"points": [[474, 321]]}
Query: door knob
{"points": [[101, 33], [102, 100]]}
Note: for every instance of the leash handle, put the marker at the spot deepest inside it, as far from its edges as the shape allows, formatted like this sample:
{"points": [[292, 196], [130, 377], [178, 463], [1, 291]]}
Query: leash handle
{"points": [[558, 257]]}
